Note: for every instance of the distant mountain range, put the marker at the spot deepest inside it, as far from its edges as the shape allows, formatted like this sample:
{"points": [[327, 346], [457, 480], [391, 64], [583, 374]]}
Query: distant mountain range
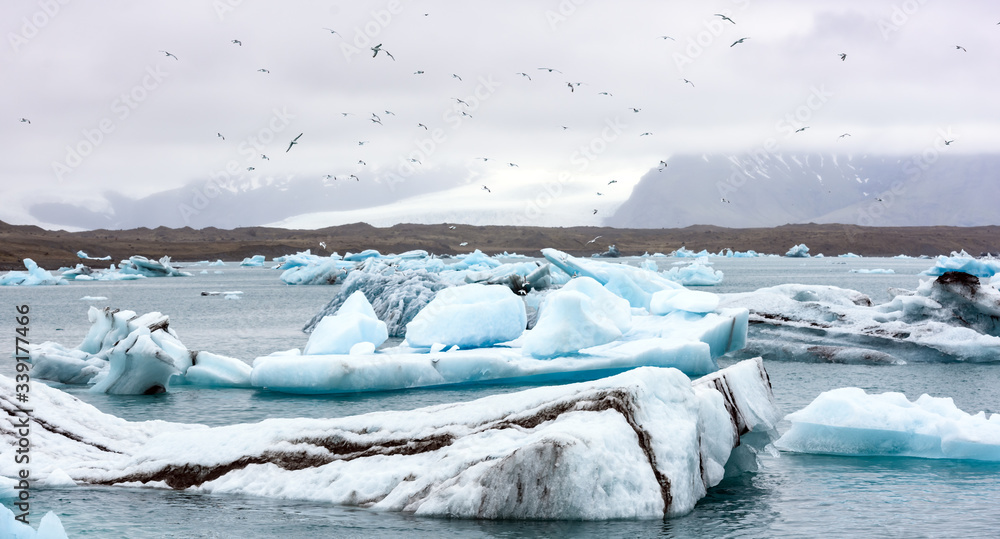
{"points": [[776, 189]]}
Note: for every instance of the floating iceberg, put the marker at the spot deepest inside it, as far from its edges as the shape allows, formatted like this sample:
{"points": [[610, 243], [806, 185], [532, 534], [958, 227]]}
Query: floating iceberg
{"points": [[470, 316], [354, 322], [50, 527], [141, 265], [698, 273], [848, 421], [128, 354], [35, 276], [302, 258], [798, 251], [84, 256], [218, 262], [951, 318], [363, 255], [254, 261], [964, 262], [643, 444], [580, 315], [320, 271], [84, 273], [637, 285]]}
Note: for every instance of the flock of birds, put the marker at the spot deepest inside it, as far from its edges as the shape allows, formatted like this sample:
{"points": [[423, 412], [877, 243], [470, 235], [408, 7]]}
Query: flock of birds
{"points": [[376, 119]]}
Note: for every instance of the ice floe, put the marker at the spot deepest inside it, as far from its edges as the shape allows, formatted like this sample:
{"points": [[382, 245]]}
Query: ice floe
{"points": [[848, 421], [697, 273], [35, 276], [647, 443], [254, 261], [964, 262], [141, 265]]}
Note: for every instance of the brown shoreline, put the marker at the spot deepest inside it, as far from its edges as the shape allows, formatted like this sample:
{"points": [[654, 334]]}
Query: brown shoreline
{"points": [[53, 249]]}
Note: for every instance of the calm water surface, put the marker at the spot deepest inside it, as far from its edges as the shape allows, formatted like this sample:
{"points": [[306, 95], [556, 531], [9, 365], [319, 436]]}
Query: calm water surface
{"points": [[791, 496]]}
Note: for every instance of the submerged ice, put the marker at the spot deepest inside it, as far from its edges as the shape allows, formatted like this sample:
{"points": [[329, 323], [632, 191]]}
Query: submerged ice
{"points": [[647, 443]]}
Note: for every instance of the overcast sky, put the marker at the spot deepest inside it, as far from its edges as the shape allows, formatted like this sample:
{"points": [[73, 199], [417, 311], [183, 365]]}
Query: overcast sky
{"points": [[110, 112]]}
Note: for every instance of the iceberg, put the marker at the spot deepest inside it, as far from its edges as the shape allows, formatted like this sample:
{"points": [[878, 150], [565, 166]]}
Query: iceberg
{"points": [[127, 354], [697, 273], [965, 263], [50, 527], [363, 255], [320, 271], [355, 322], [84, 256], [35, 276], [950, 318], [798, 251], [140, 265], [848, 421], [469, 316], [644, 444], [218, 262], [84, 273], [254, 261], [579, 315], [637, 285]]}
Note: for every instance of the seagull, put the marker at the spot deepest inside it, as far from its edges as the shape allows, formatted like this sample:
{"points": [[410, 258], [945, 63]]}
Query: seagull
{"points": [[605, 93], [593, 240], [322, 244], [238, 42], [635, 109], [844, 135], [418, 72], [485, 159], [487, 189], [377, 48], [663, 165], [293, 142], [457, 100], [422, 125], [362, 142], [262, 70], [564, 127], [738, 41], [595, 212], [667, 37], [600, 194], [220, 136], [362, 163], [647, 133], [688, 82], [725, 18], [262, 156], [25, 120], [452, 227], [572, 84], [549, 69], [376, 117], [168, 54], [612, 181], [799, 130], [250, 168], [345, 114], [512, 165], [329, 176], [524, 75], [466, 114], [843, 56], [948, 142], [454, 76], [331, 30], [726, 201], [417, 161], [960, 47], [355, 178], [390, 112]]}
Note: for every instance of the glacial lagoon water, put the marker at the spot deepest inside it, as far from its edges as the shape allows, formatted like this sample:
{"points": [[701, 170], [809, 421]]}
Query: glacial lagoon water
{"points": [[790, 496]]}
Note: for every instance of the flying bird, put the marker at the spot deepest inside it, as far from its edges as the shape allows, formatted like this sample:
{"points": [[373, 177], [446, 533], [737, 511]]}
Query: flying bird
{"points": [[262, 156], [454, 76], [362, 163], [572, 84], [485, 159], [843, 56], [960, 47], [726, 201], [844, 135], [376, 117], [524, 75], [168, 54], [457, 100], [593, 240], [250, 169], [25, 120], [667, 37], [646, 134], [357, 179], [635, 109], [390, 112], [418, 72], [417, 161], [663, 165], [331, 30], [725, 18], [688, 82], [948, 142], [262, 70], [293, 142], [605, 93], [466, 114], [487, 189], [600, 194], [220, 136], [550, 69], [378, 48], [452, 227], [801, 129], [362, 142], [512, 165], [612, 181], [738, 41], [463, 244], [237, 42], [345, 114], [595, 212], [422, 125]]}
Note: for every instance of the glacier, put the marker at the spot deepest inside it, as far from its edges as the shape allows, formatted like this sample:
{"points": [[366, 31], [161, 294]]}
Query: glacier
{"points": [[953, 317], [644, 444], [848, 421]]}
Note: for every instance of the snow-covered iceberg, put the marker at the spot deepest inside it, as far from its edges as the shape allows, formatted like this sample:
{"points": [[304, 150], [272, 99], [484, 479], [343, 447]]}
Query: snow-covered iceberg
{"points": [[35, 276], [848, 421], [128, 354], [950, 318], [643, 444]]}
